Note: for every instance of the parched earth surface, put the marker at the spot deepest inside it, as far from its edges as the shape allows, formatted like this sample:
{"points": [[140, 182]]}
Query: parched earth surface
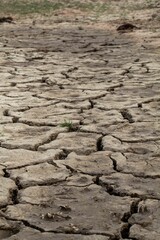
{"points": [[101, 179]]}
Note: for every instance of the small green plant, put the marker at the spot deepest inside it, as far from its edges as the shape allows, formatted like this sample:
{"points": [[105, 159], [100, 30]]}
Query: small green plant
{"points": [[68, 124]]}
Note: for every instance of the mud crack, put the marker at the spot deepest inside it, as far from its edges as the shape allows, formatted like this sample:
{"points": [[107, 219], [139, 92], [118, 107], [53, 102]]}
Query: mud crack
{"points": [[125, 230], [127, 115]]}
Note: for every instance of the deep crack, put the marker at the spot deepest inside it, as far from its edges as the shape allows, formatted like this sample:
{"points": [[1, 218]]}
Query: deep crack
{"points": [[127, 115], [14, 194], [99, 144], [125, 230], [91, 103], [6, 173]]}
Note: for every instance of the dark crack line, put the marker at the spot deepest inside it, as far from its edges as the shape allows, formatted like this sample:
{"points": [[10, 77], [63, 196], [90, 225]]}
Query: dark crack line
{"points": [[127, 115], [47, 183], [6, 173], [99, 144], [49, 160], [89, 131], [17, 147], [137, 140], [37, 124], [112, 191], [91, 103], [133, 174], [26, 223], [62, 231], [51, 138], [82, 186], [125, 229], [12, 192], [152, 100], [83, 233]]}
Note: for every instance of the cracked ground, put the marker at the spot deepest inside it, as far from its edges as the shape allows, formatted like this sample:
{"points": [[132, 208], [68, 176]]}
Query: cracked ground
{"points": [[97, 177]]}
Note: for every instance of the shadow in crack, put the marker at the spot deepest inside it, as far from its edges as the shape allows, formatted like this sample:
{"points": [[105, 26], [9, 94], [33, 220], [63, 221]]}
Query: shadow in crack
{"points": [[6, 233]]}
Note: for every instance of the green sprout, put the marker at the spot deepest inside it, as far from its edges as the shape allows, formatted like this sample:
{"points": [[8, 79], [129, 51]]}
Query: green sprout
{"points": [[68, 124]]}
